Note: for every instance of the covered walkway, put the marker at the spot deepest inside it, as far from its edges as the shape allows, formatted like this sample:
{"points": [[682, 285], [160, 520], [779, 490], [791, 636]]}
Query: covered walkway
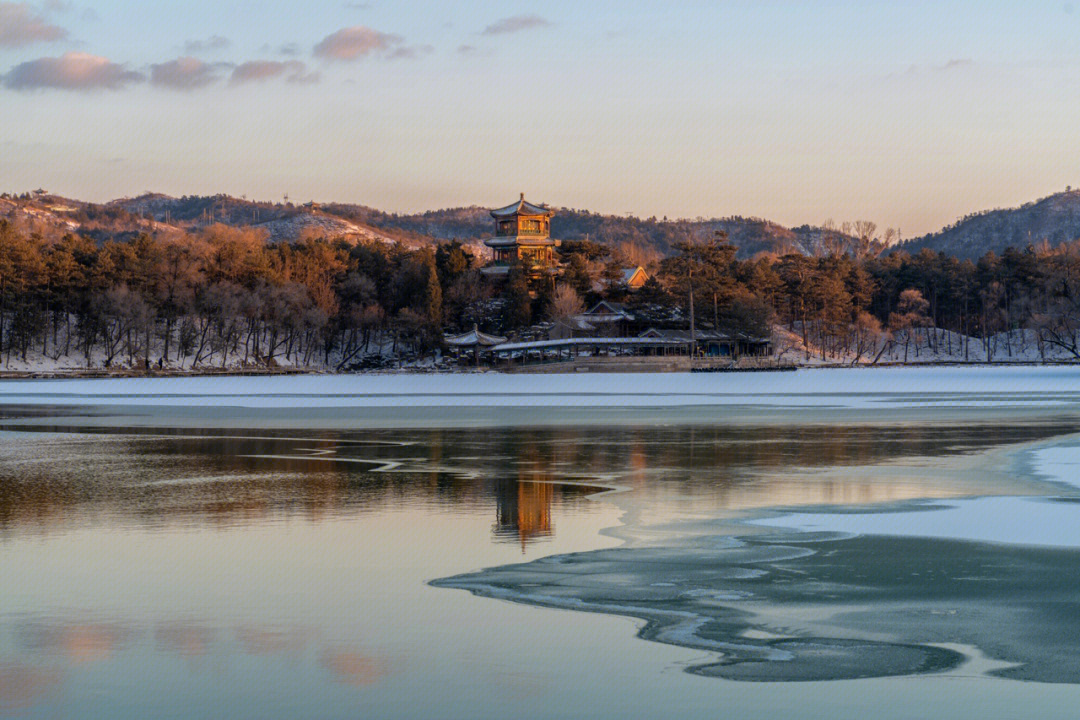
{"points": [[571, 348]]}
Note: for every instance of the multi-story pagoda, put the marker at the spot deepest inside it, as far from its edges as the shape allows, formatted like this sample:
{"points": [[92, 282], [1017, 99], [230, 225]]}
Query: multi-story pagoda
{"points": [[522, 234]]}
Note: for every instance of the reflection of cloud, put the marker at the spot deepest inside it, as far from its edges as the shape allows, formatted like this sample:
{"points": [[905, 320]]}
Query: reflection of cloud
{"points": [[352, 668], [23, 685], [70, 71], [91, 643], [187, 639], [515, 23], [257, 640], [19, 26], [78, 642]]}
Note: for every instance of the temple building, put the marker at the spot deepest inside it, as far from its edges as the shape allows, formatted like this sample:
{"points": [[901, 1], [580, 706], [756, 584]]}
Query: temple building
{"points": [[523, 234]]}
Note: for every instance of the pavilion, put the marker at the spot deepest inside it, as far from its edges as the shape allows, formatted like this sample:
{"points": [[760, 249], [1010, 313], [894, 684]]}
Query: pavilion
{"points": [[475, 341], [523, 234]]}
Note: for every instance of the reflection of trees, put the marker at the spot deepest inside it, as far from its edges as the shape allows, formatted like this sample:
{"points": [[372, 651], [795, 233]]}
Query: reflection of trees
{"points": [[52, 481]]}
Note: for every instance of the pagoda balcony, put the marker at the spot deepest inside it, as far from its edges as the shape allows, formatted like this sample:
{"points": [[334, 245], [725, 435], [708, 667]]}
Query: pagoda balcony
{"points": [[521, 231]]}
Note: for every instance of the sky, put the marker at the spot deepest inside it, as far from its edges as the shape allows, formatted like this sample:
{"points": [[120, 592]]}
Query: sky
{"points": [[911, 114]]}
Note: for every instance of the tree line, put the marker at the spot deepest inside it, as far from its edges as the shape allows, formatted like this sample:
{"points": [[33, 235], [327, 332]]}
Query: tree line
{"points": [[227, 296]]}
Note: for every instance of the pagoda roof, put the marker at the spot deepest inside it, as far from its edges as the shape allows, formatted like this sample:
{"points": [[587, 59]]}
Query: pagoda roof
{"points": [[521, 207]]}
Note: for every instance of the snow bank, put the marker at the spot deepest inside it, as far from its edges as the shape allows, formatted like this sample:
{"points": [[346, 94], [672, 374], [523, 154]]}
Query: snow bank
{"points": [[881, 388], [1008, 520]]}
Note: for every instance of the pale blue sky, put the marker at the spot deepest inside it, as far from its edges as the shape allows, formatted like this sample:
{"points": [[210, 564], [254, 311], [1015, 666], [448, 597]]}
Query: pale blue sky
{"points": [[906, 113]]}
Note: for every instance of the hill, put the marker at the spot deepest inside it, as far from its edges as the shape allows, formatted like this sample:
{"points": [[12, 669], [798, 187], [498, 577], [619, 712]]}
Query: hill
{"points": [[1054, 220], [154, 213], [642, 240], [646, 238]]}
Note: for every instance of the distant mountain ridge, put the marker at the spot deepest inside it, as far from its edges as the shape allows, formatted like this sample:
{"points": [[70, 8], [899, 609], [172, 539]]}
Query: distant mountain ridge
{"points": [[1054, 220]]}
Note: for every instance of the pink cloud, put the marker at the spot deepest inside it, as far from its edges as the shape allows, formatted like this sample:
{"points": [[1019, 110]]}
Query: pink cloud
{"points": [[20, 26], [71, 71], [354, 42]]}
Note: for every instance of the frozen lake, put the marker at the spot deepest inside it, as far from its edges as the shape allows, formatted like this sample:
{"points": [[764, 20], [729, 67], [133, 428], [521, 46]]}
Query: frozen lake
{"points": [[883, 543]]}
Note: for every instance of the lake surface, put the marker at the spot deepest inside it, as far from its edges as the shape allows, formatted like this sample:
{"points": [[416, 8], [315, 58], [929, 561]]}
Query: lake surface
{"points": [[855, 544]]}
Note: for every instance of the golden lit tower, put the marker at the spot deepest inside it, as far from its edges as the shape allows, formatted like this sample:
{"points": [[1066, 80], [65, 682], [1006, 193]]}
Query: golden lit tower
{"points": [[522, 233]]}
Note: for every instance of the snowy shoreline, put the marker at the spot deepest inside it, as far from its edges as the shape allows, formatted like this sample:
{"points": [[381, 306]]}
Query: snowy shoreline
{"points": [[883, 387], [130, 373]]}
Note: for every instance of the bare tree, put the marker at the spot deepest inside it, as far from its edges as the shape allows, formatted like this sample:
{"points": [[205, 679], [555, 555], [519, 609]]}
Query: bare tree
{"points": [[565, 303]]}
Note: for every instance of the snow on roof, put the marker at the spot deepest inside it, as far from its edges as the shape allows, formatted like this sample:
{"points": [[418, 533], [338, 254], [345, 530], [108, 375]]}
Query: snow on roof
{"points": [[605, 311], [521, 207], [589, 342], [473, 337], [700, 335]]}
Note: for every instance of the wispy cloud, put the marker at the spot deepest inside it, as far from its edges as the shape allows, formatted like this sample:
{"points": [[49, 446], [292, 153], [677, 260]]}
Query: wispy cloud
{"points": [[71, 71], [953, 64], [515, 23], [355, 42], [466, 50], [21, 25], [408, 52], [186, 73], [214, 42], [259, 70]]}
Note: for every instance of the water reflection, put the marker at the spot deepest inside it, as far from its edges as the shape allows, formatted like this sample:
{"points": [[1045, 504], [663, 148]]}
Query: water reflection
{"points": [[50, 481], [48, 646], [523, 510], [216, 566], [22, 685], [77, 641], [352, 667], [272, 640]]}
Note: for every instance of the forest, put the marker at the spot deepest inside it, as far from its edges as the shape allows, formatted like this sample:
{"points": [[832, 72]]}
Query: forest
{"points": [[223, 296]]}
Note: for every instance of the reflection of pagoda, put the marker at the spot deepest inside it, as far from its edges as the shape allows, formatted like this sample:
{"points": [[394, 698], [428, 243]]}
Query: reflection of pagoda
{"points": [[523, 509], [522, 234]]}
